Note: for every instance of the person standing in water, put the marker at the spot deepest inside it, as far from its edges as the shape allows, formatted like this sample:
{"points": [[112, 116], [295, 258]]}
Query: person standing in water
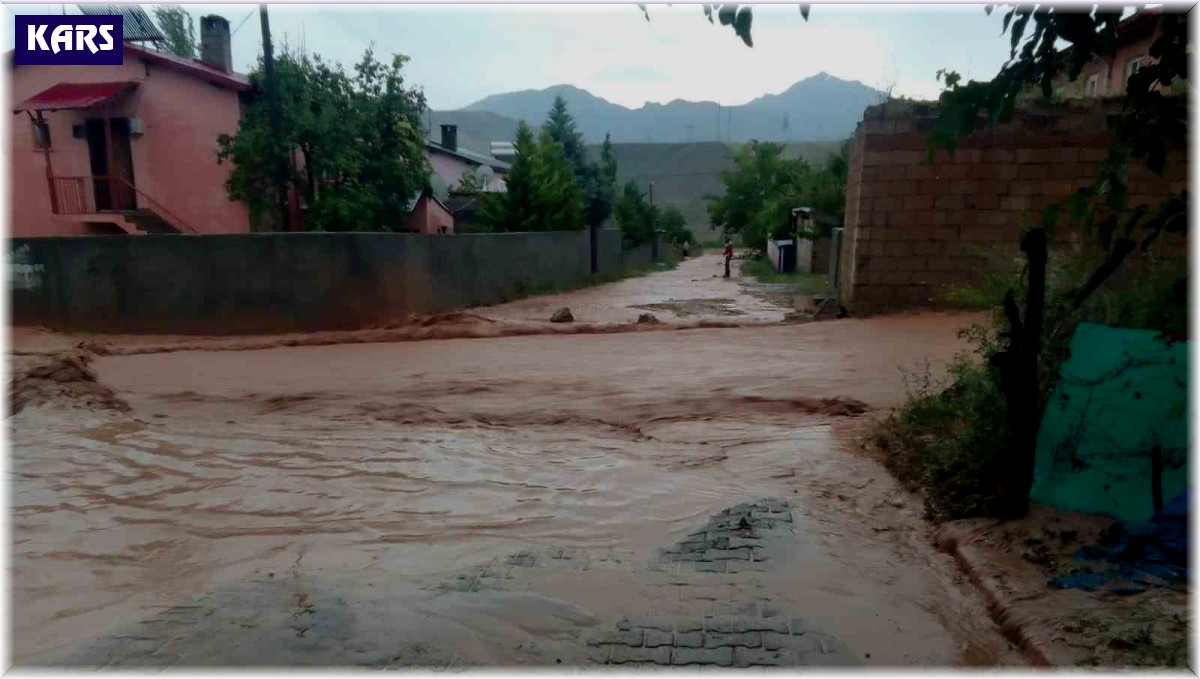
{"points": [[728, 255]]}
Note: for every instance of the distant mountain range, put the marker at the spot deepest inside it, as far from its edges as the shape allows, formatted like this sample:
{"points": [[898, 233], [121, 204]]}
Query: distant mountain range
{"points": [[819, 108]]}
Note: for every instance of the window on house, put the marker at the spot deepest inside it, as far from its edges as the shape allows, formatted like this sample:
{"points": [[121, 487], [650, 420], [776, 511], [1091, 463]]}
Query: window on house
{"points": [[1132, 66], [41, 134], [1092, 88]]}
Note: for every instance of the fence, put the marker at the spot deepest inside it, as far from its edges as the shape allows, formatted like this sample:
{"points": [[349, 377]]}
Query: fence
{"points": [[288, 281]]}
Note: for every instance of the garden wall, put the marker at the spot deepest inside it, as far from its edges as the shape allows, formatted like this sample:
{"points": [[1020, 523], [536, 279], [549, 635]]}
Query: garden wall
{"points": [[916, 227], [286, 281]]}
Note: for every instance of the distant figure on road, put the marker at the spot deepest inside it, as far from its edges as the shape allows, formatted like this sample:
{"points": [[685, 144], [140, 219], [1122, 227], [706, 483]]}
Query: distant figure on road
{"points": [[728, 255]]}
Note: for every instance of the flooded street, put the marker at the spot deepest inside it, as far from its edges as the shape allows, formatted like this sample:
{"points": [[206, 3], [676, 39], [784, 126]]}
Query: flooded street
{"points": [[506, 500]]}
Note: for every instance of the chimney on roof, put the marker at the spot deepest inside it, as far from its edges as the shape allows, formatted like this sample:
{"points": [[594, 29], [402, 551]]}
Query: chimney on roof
{"points": [[450, 137], [215, 49]]}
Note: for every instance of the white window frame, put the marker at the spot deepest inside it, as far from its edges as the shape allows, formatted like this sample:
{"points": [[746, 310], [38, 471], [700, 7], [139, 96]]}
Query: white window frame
{"points": [[1133, 66], [1092, 87]]}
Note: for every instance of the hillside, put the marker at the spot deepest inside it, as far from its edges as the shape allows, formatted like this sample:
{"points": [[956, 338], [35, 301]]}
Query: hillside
{"points": [[685, 175], [819, 108]]}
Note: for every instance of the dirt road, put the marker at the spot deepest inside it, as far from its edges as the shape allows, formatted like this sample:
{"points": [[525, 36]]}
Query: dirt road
{"points": [[679, 497]]}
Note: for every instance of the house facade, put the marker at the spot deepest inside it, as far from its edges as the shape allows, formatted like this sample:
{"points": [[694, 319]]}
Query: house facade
{"points": [[1104, 78], [128, 149], [449, 162]]}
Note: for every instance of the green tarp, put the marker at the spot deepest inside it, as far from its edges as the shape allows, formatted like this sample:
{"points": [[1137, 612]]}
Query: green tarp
{"points": [[1120, 395]]}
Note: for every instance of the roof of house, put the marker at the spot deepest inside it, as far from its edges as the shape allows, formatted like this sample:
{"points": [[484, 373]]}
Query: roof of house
{"points": [[469, 156], [193, 67], [426, 193], [135, 24], [228, 79]]}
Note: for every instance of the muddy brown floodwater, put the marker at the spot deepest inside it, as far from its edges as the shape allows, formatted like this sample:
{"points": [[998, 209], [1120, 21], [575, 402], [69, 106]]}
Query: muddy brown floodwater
{"points": [[489, 501]]}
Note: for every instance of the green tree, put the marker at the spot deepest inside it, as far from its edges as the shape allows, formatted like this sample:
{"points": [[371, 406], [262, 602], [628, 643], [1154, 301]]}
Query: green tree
{"points": [[634, 215], [468, 183], [356, 143], [563, 130], [541, 191], [759, 190], [594, 180], [673, 226], [178, 28]]}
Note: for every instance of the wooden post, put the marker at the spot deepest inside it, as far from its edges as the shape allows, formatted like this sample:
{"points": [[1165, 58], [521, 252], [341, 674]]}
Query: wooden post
{"points": [[42, 127]]}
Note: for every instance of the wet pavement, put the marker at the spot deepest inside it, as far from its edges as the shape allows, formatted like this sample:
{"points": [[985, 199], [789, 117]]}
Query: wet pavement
{"points": [[683, 497]]}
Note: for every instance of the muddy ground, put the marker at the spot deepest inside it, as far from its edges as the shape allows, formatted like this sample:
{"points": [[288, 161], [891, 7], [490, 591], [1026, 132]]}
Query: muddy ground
{"points": [[685, 496]]}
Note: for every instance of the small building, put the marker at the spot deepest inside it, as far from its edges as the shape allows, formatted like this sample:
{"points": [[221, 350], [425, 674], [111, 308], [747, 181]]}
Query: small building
{"points": [[450, 162], [127, 149], [428, 215]]}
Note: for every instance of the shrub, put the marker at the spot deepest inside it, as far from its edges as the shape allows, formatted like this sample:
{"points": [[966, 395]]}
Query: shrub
{"points": [[947, 440]]}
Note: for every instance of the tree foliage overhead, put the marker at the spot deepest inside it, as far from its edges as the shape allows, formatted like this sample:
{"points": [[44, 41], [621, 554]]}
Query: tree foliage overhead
{"points": [[542, 194], [178, 28], [355, 143], [763, 188]]}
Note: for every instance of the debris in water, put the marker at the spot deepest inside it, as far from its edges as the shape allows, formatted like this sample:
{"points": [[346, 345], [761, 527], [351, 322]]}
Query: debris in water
{"points": [[563, 315]]}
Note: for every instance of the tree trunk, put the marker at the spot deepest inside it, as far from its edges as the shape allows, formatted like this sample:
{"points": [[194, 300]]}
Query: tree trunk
{"points": [[1018, 367]]}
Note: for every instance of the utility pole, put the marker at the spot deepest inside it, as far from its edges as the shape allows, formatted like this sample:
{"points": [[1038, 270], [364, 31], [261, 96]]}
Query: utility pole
{"points": [[275, 117]]}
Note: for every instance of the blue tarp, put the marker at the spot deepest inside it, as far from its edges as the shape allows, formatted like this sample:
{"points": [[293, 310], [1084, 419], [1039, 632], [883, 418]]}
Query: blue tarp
{"points": [[1135, 555]]}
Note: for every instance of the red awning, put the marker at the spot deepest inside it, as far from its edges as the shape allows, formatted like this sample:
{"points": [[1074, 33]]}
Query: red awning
{"points": [[74, 95]]}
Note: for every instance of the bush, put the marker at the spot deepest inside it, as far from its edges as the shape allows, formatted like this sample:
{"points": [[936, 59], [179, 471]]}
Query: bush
{"points": [[947, 440]]}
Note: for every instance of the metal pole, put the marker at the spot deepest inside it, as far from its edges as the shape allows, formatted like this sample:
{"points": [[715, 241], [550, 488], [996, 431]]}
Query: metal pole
{"points": [[275, 116], [42, 129]]}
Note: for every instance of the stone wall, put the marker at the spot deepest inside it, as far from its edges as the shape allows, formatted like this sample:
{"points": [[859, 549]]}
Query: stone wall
{"points": [[293, 281], [915, 227]]}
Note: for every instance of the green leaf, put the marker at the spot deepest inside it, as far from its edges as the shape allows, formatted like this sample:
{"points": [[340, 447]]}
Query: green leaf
{"points": [[804, 11], [1050, 217], [726, 14], [708, 12], [1018, 31], [644, 11], [741, 25]]}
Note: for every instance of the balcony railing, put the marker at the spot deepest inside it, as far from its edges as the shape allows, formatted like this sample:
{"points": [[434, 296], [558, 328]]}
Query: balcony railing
{"points": [[94, 195]]}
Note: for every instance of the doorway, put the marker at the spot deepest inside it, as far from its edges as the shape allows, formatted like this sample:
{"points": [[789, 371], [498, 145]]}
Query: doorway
{"points": [[120, 195]]}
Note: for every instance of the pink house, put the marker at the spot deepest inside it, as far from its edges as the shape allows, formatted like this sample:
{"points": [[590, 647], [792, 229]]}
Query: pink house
{"points": [[127, 149], [449, 162], [429, 216]]}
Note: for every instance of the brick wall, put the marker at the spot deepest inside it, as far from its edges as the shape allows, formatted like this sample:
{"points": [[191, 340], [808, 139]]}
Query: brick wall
{"points": [[914, 227]]}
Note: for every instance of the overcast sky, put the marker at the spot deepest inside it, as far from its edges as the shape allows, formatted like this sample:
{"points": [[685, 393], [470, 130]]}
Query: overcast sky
{"points": [[462, 53]]}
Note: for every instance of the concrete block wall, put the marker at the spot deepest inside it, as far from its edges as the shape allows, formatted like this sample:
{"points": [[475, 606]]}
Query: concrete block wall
{"points": [[286, 281], [915, 226]]}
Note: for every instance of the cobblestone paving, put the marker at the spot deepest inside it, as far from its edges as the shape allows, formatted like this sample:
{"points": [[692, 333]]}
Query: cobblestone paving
{"points": [[724, 641], [733, 541], [731, 550]]}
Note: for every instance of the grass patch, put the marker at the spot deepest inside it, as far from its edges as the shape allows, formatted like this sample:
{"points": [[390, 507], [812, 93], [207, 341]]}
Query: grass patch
{"points": [[763, 272]]}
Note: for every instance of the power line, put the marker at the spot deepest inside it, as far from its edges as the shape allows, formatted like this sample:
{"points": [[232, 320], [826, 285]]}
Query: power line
{"points": [[239, 26]]}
